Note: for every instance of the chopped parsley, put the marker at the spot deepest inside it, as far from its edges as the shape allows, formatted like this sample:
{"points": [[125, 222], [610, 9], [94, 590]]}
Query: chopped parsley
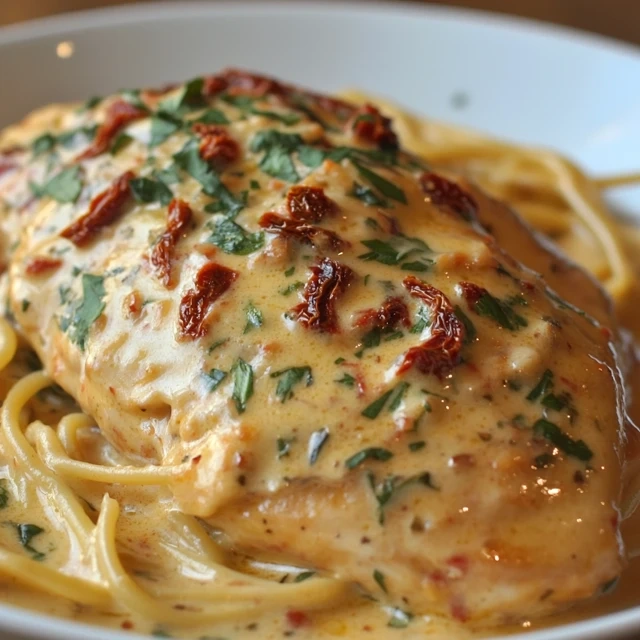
{"points": [[391, 485], [212, 116], [290, 271], [163, 125], [254, 184], [378, 576], [396, 250], [317, 440], [242, 384], [86, 311], [254, 318], [422, 321], [374, 409], [149, 190], [499, 311], [305, 575], [470, 332], [42, 144], [232, 238], [188, 98], [347, 380], [26, 533], [216, 344], [122, 141], [543, 386], [550, 431], [214, 378], [368, 196], [277, 148], [284, 446], [400, 619], [4, 494], [385, 187], [132, 96], [370, 453], [63, 187], [289, 378], [290, 288], [416, 446]]}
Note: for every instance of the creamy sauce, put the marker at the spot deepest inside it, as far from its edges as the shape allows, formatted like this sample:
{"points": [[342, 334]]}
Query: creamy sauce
{"points": [[272, 476]]}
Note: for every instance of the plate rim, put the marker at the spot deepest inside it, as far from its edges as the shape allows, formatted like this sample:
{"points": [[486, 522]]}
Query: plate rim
{"points": [[14, 619]]}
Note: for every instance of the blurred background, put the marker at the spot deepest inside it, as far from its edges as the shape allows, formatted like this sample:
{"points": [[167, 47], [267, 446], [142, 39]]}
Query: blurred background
{"points": [[614, 18]]}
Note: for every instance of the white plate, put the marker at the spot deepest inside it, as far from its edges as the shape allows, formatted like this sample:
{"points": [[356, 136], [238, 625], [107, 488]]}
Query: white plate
{"points": [[525, 81]]}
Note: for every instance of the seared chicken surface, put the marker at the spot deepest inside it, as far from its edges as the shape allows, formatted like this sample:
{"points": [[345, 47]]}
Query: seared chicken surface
{"points": [[332, 343]]}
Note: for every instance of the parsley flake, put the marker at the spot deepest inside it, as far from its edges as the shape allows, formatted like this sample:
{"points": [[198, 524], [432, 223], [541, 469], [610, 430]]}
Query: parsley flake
{"points": [[550, 431], [370, 453], [86, 311], [148, 190], [277, 147], [242, 384], [254, 318], [289, 378], [385, 187], [214, 378], [63, 187], [232, 238], [378, 576]]}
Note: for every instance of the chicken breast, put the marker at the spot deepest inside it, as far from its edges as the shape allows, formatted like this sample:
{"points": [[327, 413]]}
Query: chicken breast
{"points": [[329, 342]]}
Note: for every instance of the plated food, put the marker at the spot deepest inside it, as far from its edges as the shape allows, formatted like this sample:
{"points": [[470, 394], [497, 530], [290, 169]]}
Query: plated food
{"points": [[330, 387]]}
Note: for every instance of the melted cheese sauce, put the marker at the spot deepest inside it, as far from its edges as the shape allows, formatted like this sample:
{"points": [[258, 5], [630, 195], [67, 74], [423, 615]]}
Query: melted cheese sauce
{"points": [[180, 408]]}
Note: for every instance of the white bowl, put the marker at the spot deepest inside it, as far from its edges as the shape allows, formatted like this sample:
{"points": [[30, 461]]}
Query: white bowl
{"points": [[525, 81]]}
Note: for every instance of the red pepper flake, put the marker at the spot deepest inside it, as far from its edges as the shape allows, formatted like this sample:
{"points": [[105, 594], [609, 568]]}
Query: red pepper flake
{"points": [[210, 283], [309, 204], [391, 314], [217, 147], [119, 114], [297, 619], [304, 233], [472, 293], [447, 194], [162, 254], [441, 352], [104, 209], [41, 264], [462, 460], [328, 281], [459, 611], [370, 125], [459, 563]]}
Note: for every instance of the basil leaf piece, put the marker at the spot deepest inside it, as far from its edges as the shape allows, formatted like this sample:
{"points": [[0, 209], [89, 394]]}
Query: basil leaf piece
{"points": [[188, 98], [550, 431], [168, 176], [121, 142], [148, 190], [500, 312], [385, 187], [64, 187], [163, 125], [214, 378], [416, 446], [232, 238], [347, 380], [286, 118], [397, 249], [374, 409], [132, 96], [68, 138], [317, 440], [289, 378], [86, 311], [470, 329], [254, 318], [370, 453], [242, 384], [42, 144], [311, 156], [4, 494], [227, 203], [422, 321], [26, 533], [398, 394], [305, 575], [211, 116]]}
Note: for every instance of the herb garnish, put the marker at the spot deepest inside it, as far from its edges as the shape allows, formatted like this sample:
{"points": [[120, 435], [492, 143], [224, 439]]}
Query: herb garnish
{"points": [[544, 385], [63, 187], [278, 148], [385, 187], [499, 311], [290, 288], [86, 311], [26, 533], [367, 195], [370, 453], [416, 446], [122, 141], [284, 446], [4, 494], [378, 576], [211, 116], [148, 190], [374, 409], [163, 125], [400, 619], [232, 238], [188, 98], [317, 440], [214, 378], [470, 329], [42, 144], [216, 344], [396, 250], [347, 380], [576, 448], [391, 485], [422, 321], [254, 318], [305, 575], [289, 378], [242, 384]]}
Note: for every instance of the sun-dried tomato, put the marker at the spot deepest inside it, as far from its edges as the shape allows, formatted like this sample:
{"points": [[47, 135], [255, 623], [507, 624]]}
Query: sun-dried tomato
{"points": [[236, 82], [119, 114], [309, 204], [441, 352], [328, 281], [297, 619], [304, 233], [210, 283], [472, 293], [104, 209], [444, 193], [41, 264], [162, 254], [369, 125], [217, 147], [393, 313]]}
